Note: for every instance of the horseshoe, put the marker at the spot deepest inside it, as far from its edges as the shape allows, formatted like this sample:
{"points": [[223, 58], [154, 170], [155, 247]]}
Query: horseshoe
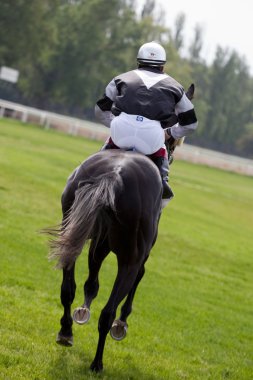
{"points": [[118, 330], [81, 315]]}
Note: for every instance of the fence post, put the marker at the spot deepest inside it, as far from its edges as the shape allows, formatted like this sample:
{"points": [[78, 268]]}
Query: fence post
{"points": [[24, 117]]}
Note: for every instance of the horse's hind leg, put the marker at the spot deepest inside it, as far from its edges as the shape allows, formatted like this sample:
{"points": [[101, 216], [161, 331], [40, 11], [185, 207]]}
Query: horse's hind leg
{"points": [[96, 256], [119, 326], [68, 288], [123, 284]]}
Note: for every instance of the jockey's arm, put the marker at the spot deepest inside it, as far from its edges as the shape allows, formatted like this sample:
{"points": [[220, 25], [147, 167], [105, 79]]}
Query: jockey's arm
{"points": [[187, 120], [103, 112], [103, 106]]}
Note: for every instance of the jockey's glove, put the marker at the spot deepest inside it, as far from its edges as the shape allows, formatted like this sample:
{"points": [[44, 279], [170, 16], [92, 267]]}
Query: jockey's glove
{"points": [[170, 139]]}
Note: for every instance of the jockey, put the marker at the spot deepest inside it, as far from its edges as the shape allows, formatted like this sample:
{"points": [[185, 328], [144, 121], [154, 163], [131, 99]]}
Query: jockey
{"points": [[137, 106]]}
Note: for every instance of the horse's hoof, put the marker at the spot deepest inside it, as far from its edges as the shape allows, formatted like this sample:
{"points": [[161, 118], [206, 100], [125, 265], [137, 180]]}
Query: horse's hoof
{"points": [[118, 330], [81, 315], [66, 341], [96, 366]]}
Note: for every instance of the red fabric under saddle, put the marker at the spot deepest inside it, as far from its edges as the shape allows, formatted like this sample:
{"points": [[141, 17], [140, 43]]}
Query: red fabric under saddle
{"points": [[162, 152]]}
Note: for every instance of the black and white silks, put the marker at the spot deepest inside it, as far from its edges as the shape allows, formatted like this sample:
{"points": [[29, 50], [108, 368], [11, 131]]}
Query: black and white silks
{"points": [[151, 94]]}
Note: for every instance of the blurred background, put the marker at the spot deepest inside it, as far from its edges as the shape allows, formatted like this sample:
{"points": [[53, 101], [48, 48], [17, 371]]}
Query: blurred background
{"points": [[61, 54]]}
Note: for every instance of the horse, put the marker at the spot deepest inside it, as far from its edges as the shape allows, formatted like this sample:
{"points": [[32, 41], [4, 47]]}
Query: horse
{"points": [[114, 200]]}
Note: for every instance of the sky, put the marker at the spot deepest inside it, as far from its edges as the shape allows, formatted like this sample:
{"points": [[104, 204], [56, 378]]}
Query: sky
{"points": [[227, 23]]}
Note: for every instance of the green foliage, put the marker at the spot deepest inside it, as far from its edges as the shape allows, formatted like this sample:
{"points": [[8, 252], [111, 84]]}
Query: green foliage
{"points": [[192, 316], [196, 45], [245, 142], [177, 35], [223, 102], [228, 79], [28, 37]]}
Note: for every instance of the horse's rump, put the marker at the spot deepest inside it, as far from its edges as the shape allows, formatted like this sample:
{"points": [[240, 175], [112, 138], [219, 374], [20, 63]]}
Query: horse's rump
{"points": [[116, 196]]}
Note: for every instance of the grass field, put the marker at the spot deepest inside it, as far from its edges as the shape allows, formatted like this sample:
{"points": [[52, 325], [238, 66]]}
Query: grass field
{"points": [[193, 311]]}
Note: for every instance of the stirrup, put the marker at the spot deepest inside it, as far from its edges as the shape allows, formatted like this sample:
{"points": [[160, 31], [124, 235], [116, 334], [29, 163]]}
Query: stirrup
{"points": [[171, 159]]}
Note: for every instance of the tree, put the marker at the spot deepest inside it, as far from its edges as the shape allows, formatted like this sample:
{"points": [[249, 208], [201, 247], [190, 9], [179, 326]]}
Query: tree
{"points": [[91, 49], [148, 8], [245, 141], [177, 35], [196, 45], [28, 40], [229, 111]]}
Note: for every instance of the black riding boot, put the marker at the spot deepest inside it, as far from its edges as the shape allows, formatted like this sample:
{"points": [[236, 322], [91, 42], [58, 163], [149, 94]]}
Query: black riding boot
{"points": [[163, 167]]}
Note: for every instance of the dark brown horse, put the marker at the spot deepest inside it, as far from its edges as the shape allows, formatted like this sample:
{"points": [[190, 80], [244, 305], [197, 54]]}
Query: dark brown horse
{"points": [[113, 199]]}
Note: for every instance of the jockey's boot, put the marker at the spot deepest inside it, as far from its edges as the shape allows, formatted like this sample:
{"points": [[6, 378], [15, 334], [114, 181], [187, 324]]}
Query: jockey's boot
{"points": [[163, 166]]}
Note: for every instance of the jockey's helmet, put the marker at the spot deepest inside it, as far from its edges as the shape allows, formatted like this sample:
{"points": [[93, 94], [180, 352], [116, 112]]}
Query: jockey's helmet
{"points": [[151, 54]]}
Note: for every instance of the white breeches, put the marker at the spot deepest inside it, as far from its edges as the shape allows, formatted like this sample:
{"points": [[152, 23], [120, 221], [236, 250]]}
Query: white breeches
{"points": [[137, 132]]}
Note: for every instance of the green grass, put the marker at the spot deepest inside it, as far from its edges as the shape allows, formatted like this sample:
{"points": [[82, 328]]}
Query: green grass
{"points": [[193, 311]]}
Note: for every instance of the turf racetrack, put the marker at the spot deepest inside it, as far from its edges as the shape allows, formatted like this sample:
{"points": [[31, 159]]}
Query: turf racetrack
{"points": [[193, 311]]}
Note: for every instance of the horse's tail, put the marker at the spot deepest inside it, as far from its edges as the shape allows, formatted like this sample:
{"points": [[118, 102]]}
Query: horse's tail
{"points": [[86, 218]]}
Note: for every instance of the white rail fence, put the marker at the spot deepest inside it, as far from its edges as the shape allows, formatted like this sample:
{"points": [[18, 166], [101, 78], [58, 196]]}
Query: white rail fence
{"points": [[48, 120], [96, 131]]}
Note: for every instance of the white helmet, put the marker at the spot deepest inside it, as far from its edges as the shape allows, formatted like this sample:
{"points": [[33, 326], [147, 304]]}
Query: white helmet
{"points": [[152, 54]]}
